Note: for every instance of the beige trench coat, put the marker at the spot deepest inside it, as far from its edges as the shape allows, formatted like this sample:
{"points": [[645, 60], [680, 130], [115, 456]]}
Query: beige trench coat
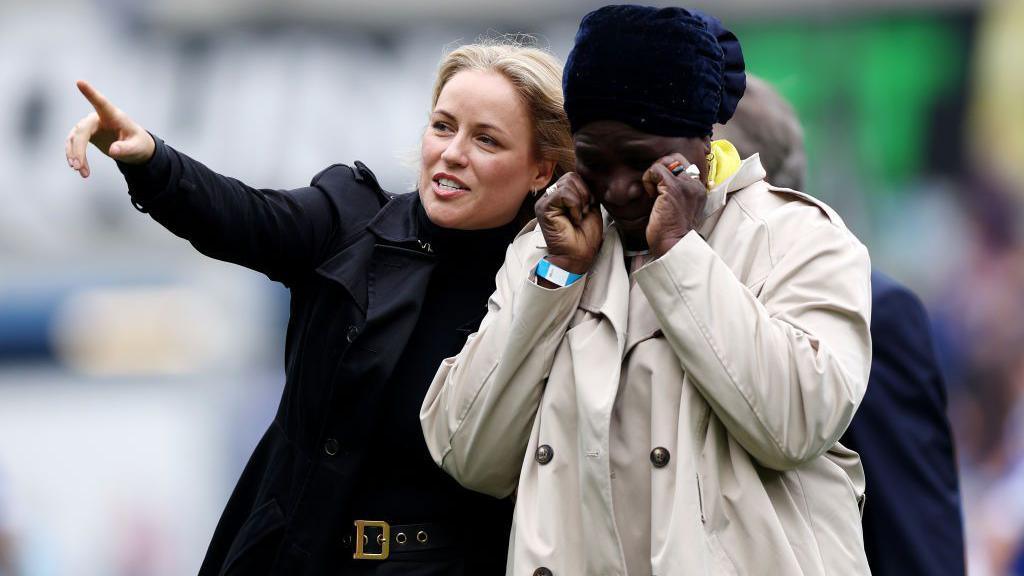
{"points": [[740, 359]]}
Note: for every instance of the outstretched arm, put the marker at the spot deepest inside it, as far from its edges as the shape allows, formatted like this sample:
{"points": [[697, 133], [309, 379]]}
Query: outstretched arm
{"points": [[272, 231]]}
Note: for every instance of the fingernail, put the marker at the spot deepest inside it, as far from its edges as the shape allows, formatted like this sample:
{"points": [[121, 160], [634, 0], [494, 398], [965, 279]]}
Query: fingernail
{"points": [[75, 163]]}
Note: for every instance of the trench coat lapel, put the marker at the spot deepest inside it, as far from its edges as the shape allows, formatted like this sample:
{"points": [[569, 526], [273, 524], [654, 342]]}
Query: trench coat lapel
{"points": [[348, 268], [395, 224], [597, 377], [607, 289], [387, 271], [643, 323], [397, 276]]}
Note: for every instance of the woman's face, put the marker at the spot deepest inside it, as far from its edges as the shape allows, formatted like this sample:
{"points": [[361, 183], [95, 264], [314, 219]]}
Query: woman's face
{"points": [[611, 158], [478, 160]]}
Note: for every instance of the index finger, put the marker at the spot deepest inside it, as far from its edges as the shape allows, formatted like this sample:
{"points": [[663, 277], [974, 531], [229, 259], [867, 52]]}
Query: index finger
{"points": [[99, 101], [655, 175], [571, 198]]}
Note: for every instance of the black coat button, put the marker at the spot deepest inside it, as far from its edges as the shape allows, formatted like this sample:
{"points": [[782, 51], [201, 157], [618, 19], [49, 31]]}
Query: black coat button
{"points": [[331, 447], [352, 333], [660, 457], [544, 454], [542, 571]]}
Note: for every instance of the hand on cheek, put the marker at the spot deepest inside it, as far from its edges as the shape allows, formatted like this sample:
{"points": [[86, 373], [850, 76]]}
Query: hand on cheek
{"points": [[679, 203], [571, 224]]}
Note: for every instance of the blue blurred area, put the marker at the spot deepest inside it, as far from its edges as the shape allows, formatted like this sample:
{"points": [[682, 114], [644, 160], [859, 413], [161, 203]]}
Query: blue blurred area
{"points": [[25, 321]]}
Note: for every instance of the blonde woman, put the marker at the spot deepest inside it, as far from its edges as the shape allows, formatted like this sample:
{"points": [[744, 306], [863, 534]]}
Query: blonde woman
{"points": [[383, 287]]}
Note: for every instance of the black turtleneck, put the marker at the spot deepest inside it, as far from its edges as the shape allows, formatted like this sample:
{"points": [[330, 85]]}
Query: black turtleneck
{"points": [[401, 483]]}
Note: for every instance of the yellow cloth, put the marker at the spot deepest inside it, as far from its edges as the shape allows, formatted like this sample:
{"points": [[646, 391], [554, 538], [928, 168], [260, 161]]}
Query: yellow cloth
{"points": [[725, 163]]}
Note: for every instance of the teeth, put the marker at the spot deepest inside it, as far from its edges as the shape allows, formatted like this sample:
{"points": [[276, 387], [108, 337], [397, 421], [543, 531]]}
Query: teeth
{"points": [[449, 184]]}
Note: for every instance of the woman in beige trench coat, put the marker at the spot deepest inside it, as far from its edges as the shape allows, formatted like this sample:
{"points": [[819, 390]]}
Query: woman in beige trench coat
{"points": [[663, 381]]}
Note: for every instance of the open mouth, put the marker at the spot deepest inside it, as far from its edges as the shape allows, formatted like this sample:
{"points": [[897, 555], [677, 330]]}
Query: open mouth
{"points": [[448, 185]]}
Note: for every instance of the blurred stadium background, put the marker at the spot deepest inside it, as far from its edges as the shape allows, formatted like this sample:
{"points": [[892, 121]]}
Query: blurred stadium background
{"points": [[136, 375]]}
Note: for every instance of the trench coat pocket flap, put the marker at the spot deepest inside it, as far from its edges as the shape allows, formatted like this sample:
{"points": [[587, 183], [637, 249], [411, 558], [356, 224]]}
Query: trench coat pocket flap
{"points": [[264, 521]]}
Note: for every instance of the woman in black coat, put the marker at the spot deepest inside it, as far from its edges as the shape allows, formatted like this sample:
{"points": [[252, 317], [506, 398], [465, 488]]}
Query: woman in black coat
{"points": [[383, 287]]}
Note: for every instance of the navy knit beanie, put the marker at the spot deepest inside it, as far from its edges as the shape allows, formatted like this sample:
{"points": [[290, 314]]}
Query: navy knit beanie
{"points": [[668, 71]]}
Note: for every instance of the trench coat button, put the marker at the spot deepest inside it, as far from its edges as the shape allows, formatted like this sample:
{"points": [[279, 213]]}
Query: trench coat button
{"points": [[331, 447], [544, 454], [351, 334], [660, 457], [542, 571]]}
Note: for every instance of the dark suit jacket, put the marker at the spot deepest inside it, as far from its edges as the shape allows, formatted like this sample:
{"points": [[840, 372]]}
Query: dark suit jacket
{"points": [[912, 519]]}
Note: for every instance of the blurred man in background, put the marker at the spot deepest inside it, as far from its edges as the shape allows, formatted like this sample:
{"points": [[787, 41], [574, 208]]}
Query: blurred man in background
{"points": [[912, 518]]}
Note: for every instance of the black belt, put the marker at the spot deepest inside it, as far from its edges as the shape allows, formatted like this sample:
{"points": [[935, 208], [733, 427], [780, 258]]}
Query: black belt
{"points": [[378, 540]]}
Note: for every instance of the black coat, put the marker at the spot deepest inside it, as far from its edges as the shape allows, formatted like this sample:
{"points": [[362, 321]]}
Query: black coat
{"points": [[357, 269], [912, 519]]}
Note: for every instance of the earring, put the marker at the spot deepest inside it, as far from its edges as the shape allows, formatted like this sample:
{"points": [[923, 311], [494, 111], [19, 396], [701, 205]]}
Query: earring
{"points": [[534, 192]]}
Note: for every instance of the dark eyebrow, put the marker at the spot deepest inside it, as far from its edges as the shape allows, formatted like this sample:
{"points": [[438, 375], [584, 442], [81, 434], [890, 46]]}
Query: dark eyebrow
{"points": [[481, 125], [639, 149], [621, 148]]}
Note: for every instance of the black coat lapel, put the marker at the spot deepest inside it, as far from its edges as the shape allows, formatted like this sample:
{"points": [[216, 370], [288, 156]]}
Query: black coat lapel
{"points": [[395, 224], [386, 269], [349, 267], [396, 287]]}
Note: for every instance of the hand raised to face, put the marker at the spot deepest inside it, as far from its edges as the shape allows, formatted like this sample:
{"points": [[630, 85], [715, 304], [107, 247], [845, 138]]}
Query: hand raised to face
{"points": [[571, 222], [679, 201]]}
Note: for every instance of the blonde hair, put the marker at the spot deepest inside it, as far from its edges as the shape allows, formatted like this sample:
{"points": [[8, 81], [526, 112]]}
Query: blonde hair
{"points": [[537, 78]]}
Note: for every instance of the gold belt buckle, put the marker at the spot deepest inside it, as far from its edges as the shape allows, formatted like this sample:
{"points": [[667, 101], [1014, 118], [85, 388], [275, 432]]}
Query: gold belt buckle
{"points": [[384, 539]]}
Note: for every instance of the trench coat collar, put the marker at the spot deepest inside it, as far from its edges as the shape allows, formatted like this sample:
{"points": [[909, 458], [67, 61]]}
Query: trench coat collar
{"points": [[750, 171], [400, 221], [396, 223], [607, 289]]}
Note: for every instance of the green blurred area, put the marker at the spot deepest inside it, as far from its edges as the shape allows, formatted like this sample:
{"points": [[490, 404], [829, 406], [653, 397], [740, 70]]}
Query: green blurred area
{"points": [[883, 75]]}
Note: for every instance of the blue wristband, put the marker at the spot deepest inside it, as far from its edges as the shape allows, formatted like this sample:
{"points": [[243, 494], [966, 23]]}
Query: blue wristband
{"points": [[554, 274]]}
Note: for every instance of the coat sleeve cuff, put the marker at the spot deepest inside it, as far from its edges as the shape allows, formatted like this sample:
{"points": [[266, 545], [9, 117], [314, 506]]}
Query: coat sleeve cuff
{"points": [[690, 253], [546, 311], [149, 180]]}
